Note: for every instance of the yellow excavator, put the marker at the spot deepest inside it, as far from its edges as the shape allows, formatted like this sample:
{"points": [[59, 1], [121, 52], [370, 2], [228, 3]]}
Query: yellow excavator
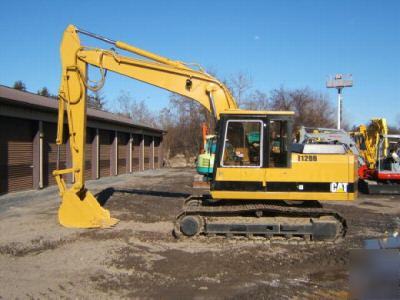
{"points": [[381, 172], [262, 184]]}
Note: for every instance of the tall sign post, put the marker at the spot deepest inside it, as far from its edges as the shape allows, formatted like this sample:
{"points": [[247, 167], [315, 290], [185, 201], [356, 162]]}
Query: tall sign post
{"points": [[339, 82]]}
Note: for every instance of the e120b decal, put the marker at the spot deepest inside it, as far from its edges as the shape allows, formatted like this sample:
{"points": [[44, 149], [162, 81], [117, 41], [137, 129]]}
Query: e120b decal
{"points": [[307, 158]]}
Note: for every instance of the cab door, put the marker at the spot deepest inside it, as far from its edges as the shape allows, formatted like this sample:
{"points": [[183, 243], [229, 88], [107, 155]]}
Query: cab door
{"points": [[241, 154], [278, 150]]}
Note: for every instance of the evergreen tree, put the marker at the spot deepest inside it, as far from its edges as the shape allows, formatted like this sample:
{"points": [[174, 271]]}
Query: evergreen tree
{"points": [[19, 85], [44, 92]]}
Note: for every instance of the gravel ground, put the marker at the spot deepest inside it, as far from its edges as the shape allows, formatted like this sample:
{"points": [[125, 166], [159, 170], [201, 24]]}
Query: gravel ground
{"points": [[139, 257]]}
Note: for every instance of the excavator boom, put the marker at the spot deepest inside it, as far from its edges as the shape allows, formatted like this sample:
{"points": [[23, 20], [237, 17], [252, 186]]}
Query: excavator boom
{"points": [[79, 207]]}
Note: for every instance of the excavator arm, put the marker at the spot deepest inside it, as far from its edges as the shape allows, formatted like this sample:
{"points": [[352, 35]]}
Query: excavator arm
{"points": [[367, 139], [79, 208]]}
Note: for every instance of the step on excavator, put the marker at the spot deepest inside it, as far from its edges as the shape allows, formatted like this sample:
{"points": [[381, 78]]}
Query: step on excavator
{"points": [[262, 184]]}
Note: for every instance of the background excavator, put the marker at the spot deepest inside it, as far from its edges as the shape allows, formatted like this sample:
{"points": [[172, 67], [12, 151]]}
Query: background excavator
{"points": [[205, 159], [262, 184], [381, 172]]}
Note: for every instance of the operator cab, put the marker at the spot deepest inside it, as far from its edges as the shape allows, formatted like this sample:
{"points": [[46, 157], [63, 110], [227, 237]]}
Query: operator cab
{"points": [[255, 141], [388, 162]]}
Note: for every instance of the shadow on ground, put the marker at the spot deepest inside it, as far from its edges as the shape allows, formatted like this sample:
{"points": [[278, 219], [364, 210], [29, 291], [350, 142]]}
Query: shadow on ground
{"points": [[106, 194]]}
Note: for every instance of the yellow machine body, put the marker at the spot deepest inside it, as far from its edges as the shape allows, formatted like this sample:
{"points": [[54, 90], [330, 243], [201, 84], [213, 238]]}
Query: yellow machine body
{"points": [[324, 177], [336, 170]]}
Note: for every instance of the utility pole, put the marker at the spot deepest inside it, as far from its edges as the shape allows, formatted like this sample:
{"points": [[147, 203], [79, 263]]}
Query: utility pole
{"points": [[339, 82]]}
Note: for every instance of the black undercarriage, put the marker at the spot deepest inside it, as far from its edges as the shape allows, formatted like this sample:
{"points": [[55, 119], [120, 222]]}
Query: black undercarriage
{"points": [[307, 221]]}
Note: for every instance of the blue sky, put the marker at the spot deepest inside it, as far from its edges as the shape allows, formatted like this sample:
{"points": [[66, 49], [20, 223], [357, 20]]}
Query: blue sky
{"points": [[290, 43]]}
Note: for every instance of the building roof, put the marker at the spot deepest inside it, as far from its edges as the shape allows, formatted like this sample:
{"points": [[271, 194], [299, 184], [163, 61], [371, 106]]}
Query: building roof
{"points": [[22, 98]]}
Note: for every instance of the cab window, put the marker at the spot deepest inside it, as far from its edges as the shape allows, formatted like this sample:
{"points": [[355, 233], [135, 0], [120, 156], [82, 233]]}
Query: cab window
{"points": [[243, 143], [278, 144]]}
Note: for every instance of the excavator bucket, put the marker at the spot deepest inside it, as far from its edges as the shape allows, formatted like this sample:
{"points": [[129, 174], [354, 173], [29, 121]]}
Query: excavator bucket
{"points": [[83, 213]]}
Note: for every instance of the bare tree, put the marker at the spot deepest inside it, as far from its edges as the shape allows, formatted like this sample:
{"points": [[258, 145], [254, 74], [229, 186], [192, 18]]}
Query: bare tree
{"points": [[182, 119], [257, 100], [311, 108], [280, 99], [240, 84], [96, 100], [136, 110]]}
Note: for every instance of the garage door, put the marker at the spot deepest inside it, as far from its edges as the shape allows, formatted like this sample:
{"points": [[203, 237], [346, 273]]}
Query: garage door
{"points": [[157, 143], [136, 152], [50, 154], [90, 135], [123, 154], [147, 152], [16, 154], [105, 140]]}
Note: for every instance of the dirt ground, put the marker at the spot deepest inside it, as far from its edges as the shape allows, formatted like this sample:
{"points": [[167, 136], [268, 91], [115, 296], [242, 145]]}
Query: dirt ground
{"points": [[139, 257]]}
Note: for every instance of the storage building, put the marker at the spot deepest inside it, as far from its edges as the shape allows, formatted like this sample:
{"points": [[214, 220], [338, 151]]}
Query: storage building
{"points": [[28, 152]]}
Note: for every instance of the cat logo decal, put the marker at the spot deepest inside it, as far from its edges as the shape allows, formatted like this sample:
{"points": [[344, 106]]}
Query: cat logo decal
{"points": [[339, 187]]}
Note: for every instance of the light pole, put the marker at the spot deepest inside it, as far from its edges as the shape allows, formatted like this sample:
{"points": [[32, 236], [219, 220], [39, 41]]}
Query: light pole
{"points": [[339, 82]]}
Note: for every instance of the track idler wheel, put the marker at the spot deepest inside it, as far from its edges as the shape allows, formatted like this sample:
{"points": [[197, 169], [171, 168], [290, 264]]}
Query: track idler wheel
{"points": [[190, 225]]}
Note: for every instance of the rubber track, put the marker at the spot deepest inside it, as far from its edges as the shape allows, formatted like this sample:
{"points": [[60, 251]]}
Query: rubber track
{"points": [[196, 205]]}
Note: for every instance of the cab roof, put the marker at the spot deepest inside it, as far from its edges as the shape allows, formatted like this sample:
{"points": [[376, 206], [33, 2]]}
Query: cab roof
{"points": [[257, 112]]}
